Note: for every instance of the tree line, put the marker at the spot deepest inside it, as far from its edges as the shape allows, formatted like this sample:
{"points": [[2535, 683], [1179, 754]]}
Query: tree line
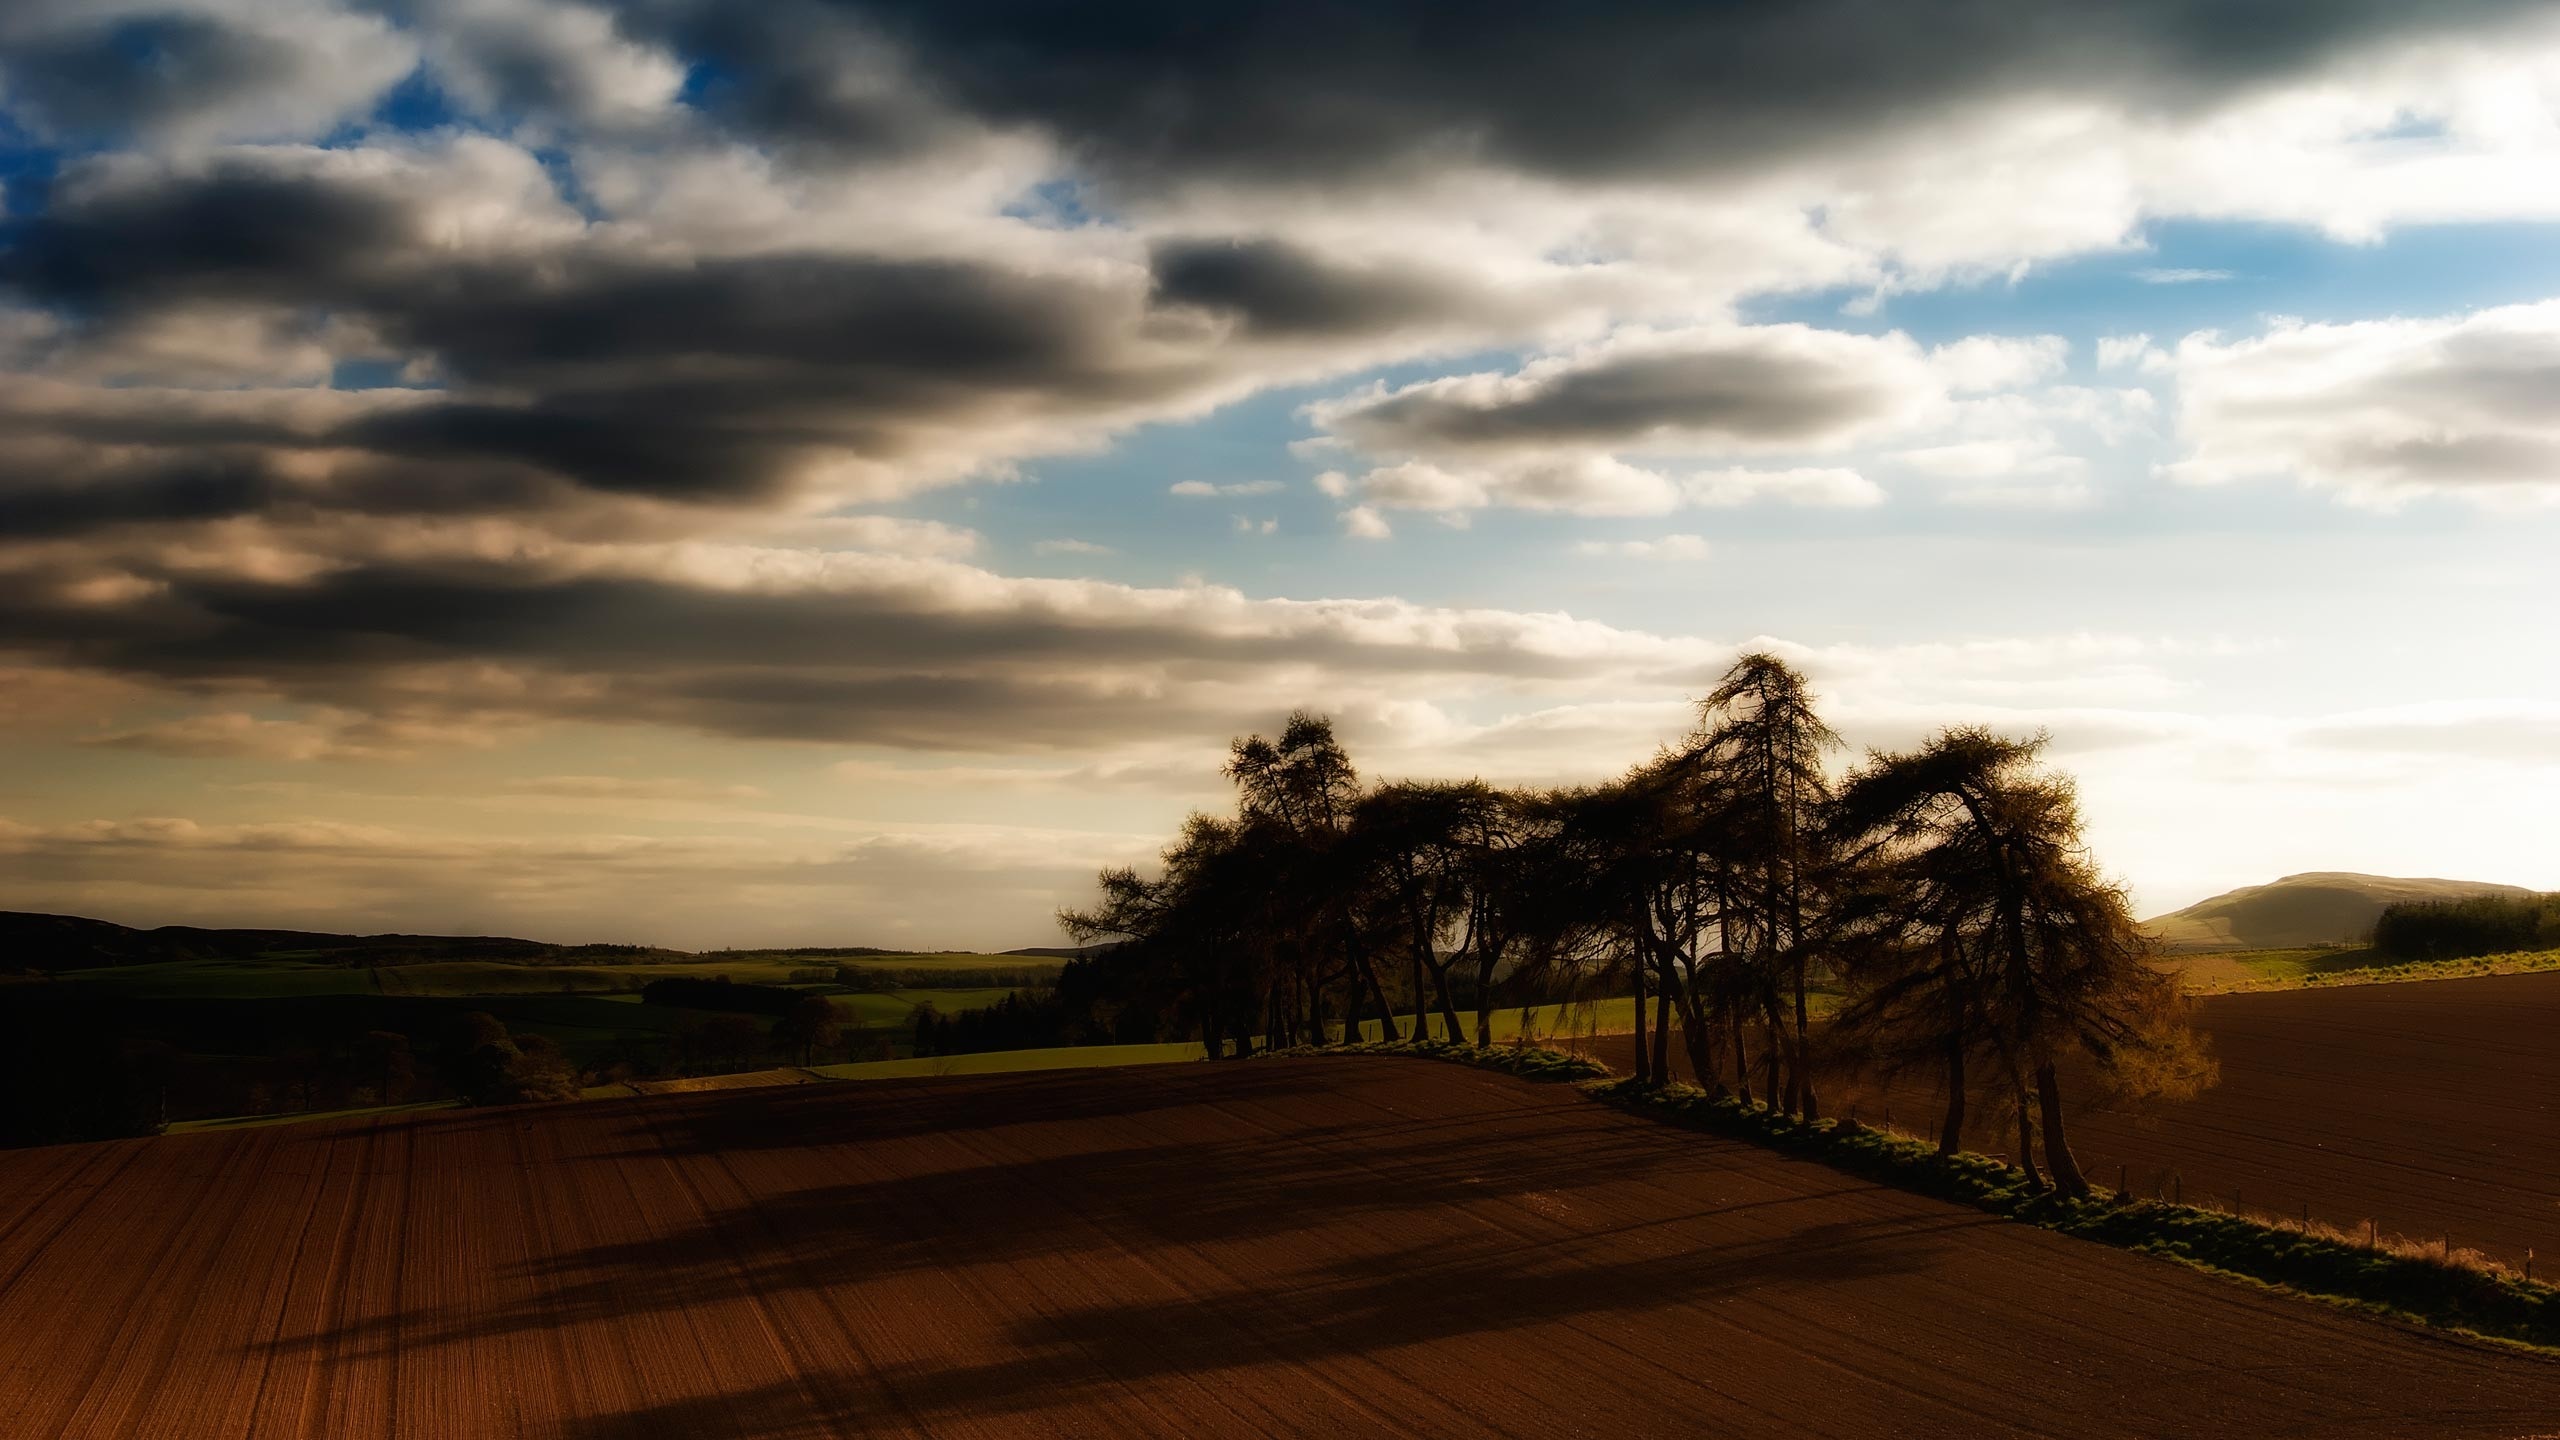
{"points": [[1944, 892], [2475, 925]]}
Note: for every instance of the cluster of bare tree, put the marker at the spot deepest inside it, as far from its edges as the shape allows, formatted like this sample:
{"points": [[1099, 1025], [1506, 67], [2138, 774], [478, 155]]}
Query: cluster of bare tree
{"points": [[1941, 897]]}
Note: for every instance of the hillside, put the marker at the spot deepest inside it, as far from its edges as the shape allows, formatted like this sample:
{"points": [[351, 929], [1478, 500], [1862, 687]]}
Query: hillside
{"points": [[2316, 908]]}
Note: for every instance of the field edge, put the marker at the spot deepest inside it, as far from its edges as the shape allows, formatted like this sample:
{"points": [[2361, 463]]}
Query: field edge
{"points": [[2456, 1297]]}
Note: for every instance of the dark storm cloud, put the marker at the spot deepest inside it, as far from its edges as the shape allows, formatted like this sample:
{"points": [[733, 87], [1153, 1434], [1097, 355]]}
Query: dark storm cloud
{"points": [[240, 229], [1764, 386], [1277, 288], [667, 376], [908, 654], [195, 489], [179, 72], [1165, 90], [140, 73]]}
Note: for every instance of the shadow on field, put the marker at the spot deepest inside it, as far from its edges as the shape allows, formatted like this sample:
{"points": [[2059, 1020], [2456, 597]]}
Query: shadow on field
{"points": [[1082, 1355], [929, 1189], [867, 1112]]}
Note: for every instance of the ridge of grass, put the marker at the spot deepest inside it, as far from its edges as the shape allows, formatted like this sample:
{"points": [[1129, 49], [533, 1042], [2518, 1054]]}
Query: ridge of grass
{"points": [[1529, 1062], [2396, 972], [2460, 1291]]}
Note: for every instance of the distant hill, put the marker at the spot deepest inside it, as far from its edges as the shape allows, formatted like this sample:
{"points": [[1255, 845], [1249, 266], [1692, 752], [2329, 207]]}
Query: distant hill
{"points": [[31, 941], [1068, 952], [2317, 908]]}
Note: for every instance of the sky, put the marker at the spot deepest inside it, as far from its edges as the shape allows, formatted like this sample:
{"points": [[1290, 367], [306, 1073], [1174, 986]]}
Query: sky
{"points": [[824, 472]]}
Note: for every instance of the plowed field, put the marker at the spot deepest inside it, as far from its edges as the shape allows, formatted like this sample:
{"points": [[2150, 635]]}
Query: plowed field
{"points": [[2431, 1109], [1279, 1248]]}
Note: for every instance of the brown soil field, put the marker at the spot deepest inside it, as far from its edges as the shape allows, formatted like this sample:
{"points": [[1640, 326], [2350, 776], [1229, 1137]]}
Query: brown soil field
{"points": [[1308, 1247], [2431, 1109]]}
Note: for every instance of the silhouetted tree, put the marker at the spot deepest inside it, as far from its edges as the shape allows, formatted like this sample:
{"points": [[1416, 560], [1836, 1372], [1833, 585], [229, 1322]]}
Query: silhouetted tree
{"points": [[388, 1064], [1759, 726], [810, 1025], [2016, 941]]}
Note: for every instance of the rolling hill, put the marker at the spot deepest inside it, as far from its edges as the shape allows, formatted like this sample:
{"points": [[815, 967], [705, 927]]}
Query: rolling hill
{"points": [[58, 943], [2315, 908]]}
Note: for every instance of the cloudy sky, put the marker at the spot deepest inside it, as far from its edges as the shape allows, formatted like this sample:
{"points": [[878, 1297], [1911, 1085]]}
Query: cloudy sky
{"points": [[837, 472]]}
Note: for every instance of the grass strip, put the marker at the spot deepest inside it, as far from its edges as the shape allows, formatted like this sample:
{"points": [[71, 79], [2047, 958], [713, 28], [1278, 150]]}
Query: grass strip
{"points": [[2460, 1292], [1529, 1062], [2401, 972]]}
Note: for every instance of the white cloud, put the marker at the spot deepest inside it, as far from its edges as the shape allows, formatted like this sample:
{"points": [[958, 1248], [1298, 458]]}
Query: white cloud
{"points": [[1667, 547], [632, 787], [1362, 522], [1826, 487], [2380, 410], [1205, 489], [1070, 547], [2180, 276], [1248, 525], [1980, 363], [2132, 352]]}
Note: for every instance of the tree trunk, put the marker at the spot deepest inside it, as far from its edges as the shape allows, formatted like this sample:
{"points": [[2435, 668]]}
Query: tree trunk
{"points": [[1806, 1104], [2027, 1144], [1951, 1134], [1377, 992], [1769, 1053], [2057, 1147], [1741, 1060], [1662, 1026], [1448, 1006], [1697, 1037], [1644, 1076]]}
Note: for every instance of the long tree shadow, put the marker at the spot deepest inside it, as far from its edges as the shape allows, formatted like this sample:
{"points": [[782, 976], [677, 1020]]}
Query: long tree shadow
{"points": [[1092, 1173], [1094, 1201], [867, 1112], [1072, 1356]]}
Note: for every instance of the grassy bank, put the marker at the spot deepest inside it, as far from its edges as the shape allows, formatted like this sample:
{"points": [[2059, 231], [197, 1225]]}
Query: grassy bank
{"points": [[2460, 1291], [2245, 971], [1527, 1062]]}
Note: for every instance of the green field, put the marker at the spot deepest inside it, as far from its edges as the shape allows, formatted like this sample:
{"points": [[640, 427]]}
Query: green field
{"points": [[2243, 970], [224, 980], [994, 1062], [788, 961]]}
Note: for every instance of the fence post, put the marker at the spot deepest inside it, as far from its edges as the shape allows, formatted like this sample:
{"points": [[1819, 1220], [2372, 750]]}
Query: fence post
{"points": [[2528, 1264], [2177, 1188]]}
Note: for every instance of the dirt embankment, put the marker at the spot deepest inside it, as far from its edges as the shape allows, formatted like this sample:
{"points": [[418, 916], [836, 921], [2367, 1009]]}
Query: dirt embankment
{"points": [[2431, 1109], [1312, 1247]]}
